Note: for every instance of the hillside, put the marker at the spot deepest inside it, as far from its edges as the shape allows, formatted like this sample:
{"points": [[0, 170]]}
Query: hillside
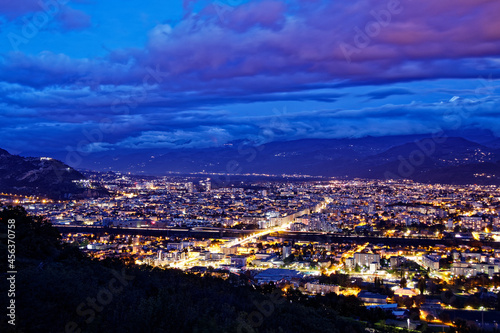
{"points": [[39, 176]]}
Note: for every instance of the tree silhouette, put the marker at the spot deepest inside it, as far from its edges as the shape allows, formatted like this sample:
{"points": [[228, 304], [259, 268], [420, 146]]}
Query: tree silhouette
{"points": [[422, 285], [403, 282]]}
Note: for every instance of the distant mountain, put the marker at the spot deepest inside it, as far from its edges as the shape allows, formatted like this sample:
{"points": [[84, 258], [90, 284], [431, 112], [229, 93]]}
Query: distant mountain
{"points": [[476, 173], [39, 176], [250, 157], [493, 143], [449, 160], [419, 157]]}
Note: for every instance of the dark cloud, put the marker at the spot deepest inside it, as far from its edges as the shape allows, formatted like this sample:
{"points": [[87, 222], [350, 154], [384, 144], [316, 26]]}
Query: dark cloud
{"points": [[179, 89], [383, 93], [44, 11], [72, 19], [14, 9]]}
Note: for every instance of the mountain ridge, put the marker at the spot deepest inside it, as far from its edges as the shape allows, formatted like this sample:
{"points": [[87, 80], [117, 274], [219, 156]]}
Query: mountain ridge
{"points": [[421, 158], [41, 176]]}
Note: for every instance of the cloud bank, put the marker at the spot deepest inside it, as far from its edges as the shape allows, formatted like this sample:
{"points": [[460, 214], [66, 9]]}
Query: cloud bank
{"points": [[220, 72]]}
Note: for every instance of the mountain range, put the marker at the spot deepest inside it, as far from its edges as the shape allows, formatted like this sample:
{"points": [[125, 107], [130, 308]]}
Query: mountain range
{"points": [[423, 158]]}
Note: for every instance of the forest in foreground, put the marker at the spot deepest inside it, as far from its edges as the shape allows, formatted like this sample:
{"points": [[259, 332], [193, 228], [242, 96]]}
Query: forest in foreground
{"points": [[59, 289]]}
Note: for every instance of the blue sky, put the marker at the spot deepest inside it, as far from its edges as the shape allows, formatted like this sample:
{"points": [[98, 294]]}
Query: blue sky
{"points": [[110, 75]]}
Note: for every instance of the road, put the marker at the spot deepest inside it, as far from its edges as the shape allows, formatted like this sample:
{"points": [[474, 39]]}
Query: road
{"points": [[236, 242], [316, 236]]}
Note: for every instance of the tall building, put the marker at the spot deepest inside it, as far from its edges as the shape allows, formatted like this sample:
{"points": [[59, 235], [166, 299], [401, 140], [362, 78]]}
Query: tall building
{"points": [[431, 261], [286, 252], [365, 259], [206, 184]]}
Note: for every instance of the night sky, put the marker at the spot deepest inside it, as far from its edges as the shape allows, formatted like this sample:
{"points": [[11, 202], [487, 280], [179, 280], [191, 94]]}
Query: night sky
{"points": [[111, 75]]}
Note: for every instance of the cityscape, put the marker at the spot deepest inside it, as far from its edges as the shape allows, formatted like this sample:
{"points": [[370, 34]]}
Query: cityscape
{"points": [[249, 166], [428, 254]]}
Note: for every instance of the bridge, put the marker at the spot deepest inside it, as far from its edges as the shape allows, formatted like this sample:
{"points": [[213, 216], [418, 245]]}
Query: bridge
{"points": [[245, 236]]}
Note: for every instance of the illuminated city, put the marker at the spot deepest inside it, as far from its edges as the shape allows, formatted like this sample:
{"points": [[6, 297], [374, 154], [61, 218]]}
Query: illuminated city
{"points": [[250, 166], [350, 237]]}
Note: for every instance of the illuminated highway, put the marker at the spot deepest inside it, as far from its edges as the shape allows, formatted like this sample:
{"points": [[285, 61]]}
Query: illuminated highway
{"points": [[236, 242]]}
